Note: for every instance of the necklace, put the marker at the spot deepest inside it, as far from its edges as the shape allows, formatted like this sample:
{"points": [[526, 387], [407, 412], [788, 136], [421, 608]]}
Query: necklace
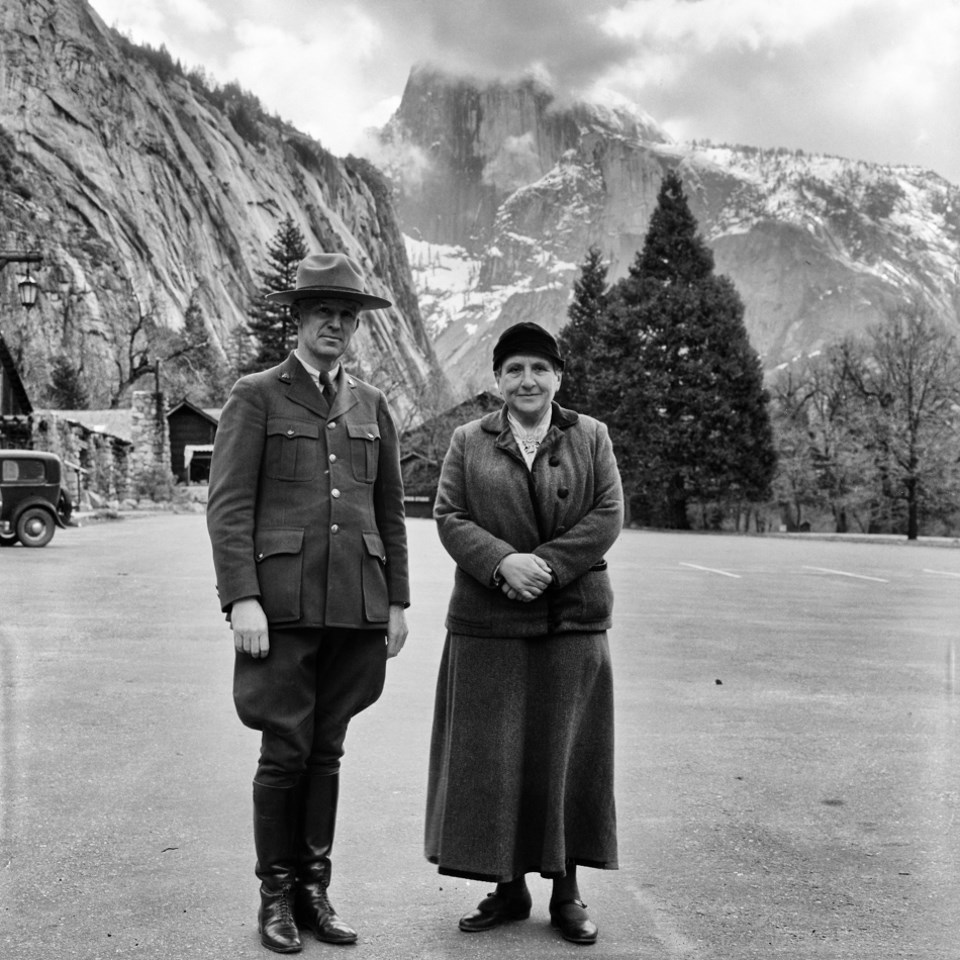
{"points": [[529, 444]]}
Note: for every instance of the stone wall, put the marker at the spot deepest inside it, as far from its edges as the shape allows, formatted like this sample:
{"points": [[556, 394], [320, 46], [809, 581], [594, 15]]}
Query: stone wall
{"points": [[102, 467], [150, 435], [94, 463]]}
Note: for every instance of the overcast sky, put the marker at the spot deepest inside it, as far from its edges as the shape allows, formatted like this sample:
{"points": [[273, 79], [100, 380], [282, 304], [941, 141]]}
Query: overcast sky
{"points": [[866, 79]]}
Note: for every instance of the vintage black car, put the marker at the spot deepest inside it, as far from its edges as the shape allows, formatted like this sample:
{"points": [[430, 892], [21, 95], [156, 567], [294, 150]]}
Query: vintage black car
{"points": [[32, 501]]}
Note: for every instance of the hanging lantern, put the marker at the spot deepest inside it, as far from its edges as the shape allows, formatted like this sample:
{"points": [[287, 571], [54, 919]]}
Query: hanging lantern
{"points": [[28, 288]]}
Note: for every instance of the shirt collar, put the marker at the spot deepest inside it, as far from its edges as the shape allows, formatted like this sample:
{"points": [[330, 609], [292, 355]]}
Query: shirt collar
{"points": [[313, 371], [537, 431]]}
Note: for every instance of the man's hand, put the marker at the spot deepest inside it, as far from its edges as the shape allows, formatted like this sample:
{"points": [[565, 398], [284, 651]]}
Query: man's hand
{"points": [[396, 629], [525, 576], [249, 623]]}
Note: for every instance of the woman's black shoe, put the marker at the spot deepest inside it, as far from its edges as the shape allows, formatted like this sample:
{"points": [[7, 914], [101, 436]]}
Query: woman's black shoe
{"points": [[574, 922], [495, 909]]}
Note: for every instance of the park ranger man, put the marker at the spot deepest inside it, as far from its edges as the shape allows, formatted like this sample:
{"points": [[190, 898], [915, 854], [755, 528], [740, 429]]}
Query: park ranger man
{"points": [[305, 515]]}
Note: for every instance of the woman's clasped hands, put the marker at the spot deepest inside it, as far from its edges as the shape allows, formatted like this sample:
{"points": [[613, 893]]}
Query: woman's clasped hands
{"points": [[525, 576]]}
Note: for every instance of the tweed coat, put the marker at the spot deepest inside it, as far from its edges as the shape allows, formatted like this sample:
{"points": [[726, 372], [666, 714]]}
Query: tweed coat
{"points": [[305, 503], [521, 771], [568, 510]]}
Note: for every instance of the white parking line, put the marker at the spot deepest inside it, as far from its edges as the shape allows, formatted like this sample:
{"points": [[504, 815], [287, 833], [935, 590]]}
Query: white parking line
{"points": [[844, 573], [943, 573], [723, 573]]}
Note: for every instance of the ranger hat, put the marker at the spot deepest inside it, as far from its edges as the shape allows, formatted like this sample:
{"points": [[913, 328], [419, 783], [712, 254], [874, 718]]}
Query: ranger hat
{"points": [[333, 275]]}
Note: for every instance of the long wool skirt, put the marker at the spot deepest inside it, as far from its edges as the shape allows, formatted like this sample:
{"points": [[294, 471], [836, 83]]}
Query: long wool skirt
{"points": [[521, 758]]}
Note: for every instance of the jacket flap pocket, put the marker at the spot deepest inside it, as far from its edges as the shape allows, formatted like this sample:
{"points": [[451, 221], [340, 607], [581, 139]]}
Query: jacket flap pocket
{"points": [[284, 426], [374, 546], [271, 542], [364, 431]]}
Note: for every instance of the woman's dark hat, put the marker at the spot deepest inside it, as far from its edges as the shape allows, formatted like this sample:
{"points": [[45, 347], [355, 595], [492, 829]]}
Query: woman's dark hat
{"points": [[527, 337], [332, 275]]}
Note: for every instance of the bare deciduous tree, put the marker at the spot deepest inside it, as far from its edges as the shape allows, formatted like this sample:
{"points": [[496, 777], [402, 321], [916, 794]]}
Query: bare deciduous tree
{"points": [[909, 381], [871, 428]]}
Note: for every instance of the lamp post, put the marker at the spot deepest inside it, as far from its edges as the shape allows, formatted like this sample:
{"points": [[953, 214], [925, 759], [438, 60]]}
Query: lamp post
{"points": [[27, 288]]}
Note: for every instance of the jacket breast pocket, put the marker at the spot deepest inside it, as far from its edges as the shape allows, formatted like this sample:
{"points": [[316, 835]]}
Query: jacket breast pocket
{"points": [[376, 602], [279, 555], [364, 450], [291, 450]]}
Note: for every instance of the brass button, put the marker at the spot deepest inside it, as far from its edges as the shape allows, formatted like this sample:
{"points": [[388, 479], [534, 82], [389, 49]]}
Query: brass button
{"points": [[332, 458], [335, 528], [290, 432], [331, 424], [335, 493], [260, 555]]}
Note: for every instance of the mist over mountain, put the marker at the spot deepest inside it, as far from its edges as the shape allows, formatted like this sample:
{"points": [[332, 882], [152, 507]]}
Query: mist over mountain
{"points": [[142, 188], [502, 187]]}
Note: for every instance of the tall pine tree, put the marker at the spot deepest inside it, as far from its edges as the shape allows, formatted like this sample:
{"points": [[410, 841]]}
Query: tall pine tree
{"points": [[273, 324], [66, 390], [577, 338], [676, 379]]}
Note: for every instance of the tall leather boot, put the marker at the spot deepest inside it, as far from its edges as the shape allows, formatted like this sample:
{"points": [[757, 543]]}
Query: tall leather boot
{"points": [[318, 819], [274, 822]]}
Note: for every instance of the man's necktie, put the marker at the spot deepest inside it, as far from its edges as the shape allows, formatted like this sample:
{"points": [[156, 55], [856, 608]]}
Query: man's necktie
{"points": [[329, 390]]}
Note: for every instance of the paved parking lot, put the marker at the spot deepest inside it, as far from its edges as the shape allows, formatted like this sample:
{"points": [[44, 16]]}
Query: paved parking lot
{"points": [[788, 778]]}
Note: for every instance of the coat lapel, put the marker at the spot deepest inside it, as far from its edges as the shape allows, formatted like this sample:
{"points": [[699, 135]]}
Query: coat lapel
{"points": [[300, 387], [302, 390], [496, 422], [346, 394]]}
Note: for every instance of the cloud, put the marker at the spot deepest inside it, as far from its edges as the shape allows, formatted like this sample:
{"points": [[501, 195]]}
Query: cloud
{"points": [[146, 19], [563, 38], [516, 163], [871, 79], [704, 24], [305, 77], [406, 162], [862, 78]]}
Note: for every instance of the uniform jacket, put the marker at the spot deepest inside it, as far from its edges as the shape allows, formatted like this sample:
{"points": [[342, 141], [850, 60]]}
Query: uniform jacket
{"points": [[567, 510], [305, 503]]}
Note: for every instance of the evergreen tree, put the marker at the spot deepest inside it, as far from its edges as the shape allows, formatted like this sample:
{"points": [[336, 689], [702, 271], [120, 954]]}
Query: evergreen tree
{"points": [[273, 324], [578, 338], [673, 251], [676, 379], [196, 369], [66, 390]]}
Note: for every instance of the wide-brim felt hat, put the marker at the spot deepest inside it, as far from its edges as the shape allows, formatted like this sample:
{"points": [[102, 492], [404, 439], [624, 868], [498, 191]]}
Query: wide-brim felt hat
{"points": [[333, 275]]}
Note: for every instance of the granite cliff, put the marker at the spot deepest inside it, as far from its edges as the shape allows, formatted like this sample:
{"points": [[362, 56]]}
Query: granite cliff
{"points": [[142, 191], [501, 188]]}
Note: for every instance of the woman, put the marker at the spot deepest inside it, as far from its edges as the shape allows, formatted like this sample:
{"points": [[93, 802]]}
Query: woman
{"points": [[521, 759]]}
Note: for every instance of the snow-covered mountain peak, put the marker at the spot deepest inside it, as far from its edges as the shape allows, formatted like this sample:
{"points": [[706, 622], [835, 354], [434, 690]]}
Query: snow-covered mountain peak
{"points": [[520, 184]]}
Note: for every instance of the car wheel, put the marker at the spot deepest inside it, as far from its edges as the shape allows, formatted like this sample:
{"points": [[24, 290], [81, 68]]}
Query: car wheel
{"points": [[35, 527], [7, 539]]}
